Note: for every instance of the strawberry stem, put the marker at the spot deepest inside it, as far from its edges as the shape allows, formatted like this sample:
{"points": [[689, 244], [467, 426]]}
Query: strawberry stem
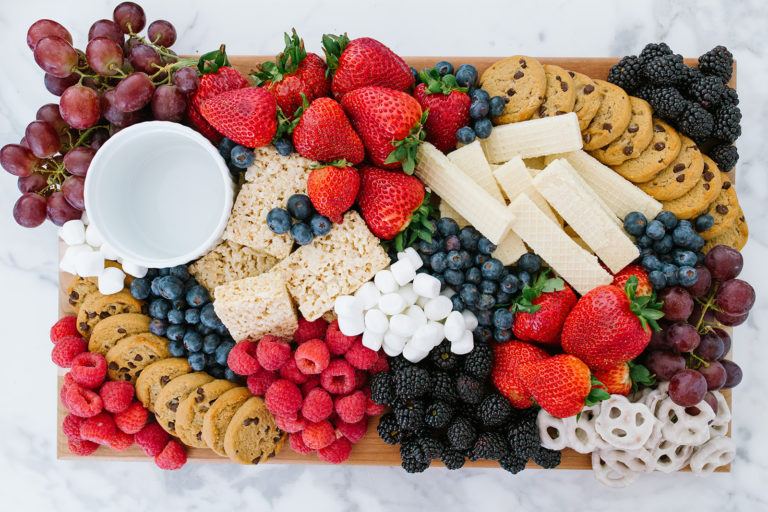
{"points": [[436, 84], [407, 147], [333, 46], [542, 284], [597, 394], [286, 62], [418, 226], [639, 374], [646, 308]]}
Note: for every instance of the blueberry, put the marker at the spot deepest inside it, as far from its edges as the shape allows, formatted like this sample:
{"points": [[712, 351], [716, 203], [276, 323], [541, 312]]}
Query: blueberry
{"points": [[485, 246], [192, 316], [502, 335], [480, 259], [171, 287], [154, 287], [225, 148], [510, 284], [491, 269], [180, 271], [503, 298], [438, 262], [300, 207], [497, 105], [163, 271], [441, 278], [655, 230], [222, 352], [242, 157], [657, 279], [530, 262], [483, 334], [480, 94], [664, 245], [176, 317], [210, 342], [503, 318], [473, 276], [485, 302], [478, 110], [683, 235], [197, 296], [193, 340], [446, 226], [320, 224], [466, 75], [651, 262], [466, 260], [469, 294], [697, 243], [484, 317], [197, 361], [176, 348], [284, 146], [452, 243], [700, 258], [431, 247], [454, 277], [301, 233], [645, 251], [704, 222], [208, 316], [141, 288], [644, 241], [483, 128], [454, 260], [279, 221], [416, 76], [159, 308], [232, 376], [458, 304], [444, 68], [670, 273], [158, 326], [221, 329], [524, 278], [489, 287], [685, 224], [687, 276], [469, 237], [465, 135], [216, 371], [635, 223], [151, 274], [684, 258]]}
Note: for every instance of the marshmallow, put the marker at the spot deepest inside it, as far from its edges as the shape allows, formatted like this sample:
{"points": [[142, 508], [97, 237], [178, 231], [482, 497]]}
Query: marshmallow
{"points": [[67, 264], [438, 333], [351, 325], [376, 321], [402, 325], [93, 237], [394, 342], [413, 354], [391, 351], [408, 294], [403, 271], [469, 319], [455, 326], [89, 263], [372, 340], [391, 303], [438, 308], [448, 292], [84, 218], [111, 280], [417, 315], [368, 295], [385, 281], [133, 269], [464, 345], [413, 257], [72, 232], [108, 252], [424, 337], [348, 305], [427, 286], [422, 301]]}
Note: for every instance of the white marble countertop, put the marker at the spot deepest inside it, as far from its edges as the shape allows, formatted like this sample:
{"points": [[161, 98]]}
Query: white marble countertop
{"points": [[32, 479]]}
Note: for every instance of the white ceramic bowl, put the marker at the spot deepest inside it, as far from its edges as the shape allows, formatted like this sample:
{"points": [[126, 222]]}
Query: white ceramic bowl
{"points": [[159, 193]]}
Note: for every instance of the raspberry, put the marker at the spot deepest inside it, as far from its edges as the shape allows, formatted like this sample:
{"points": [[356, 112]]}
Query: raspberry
{"points": [[381, 364], [68, 381], [290, 371], [353, 431], [82, 402], [283, 398], [337, 452], [272, 352], [82, 447], [361, 379], [361, 357], [152, 439], [132, 419], [259, 382], [66, 326], [290, 425], [242, 358], [338, 378], [67, 348], [351, 408], [310, 330], [172, 457], [121, 441], [312, 383], [318, 435], [117, 395], [296, 441], [71, 426], [89, 370], [312, 357], [99, 429], [337, 342], [371, 407], [318, 405]]}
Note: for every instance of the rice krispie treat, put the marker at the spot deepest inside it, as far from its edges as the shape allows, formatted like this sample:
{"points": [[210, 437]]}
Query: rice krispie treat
{"points": [[228, 262]]}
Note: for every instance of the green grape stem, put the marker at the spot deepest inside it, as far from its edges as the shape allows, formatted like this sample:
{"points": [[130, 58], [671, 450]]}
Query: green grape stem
{"points": [[701, 326]]}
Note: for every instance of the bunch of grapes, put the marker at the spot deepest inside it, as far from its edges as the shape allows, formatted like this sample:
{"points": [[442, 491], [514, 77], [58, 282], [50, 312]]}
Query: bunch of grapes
{"points": [[121, 79], [690, 350]]}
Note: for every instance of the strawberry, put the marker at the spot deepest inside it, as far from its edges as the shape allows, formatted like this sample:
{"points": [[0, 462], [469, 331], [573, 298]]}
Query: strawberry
{"points": [[643, 284], [561, 385], [390, 124], [542, 309], [248, 116], [224, 79], [324, 133], [362, 62], [609, 325], [507, 357], [293, 74], [448, 106], [332, 189], [623, 378]]}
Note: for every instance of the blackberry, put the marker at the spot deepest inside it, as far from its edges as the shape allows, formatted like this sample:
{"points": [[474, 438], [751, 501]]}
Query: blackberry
{"points": [[389, 429], [444, 387], [513, 463], [381, 389], [691, 75], [470, 390], [707, 91], [438, 415], [667, 103], [727, 124], [442, 357], [398, 363], [695, 122], [411, 382], [523, 434], [494, 410], [411, 465], [546, 458], [645, 91], [452, 459], [479, 361], [665, 70], [653, 50], [730, 97], [717, 62], [490, 446], [461, 434], [627, 74], [725, 156], [430, 447], [410, 415]]}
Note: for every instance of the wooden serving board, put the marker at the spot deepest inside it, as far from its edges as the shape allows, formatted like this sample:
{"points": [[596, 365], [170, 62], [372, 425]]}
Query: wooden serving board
{"points": [[371, 451]]}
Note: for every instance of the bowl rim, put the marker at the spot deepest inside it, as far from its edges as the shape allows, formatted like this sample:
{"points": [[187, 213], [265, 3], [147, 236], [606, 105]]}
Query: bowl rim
{"points": [[160, 127]]}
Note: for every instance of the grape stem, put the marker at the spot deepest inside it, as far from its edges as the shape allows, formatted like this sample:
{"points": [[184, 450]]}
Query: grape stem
{"points": [[709, 304], [163, 51]]}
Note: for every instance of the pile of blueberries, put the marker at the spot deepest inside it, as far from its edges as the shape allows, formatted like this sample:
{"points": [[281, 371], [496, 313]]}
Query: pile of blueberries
{"points": [[482, 108], [310, 223], [461, 259], [669, 248], [182, 311]]}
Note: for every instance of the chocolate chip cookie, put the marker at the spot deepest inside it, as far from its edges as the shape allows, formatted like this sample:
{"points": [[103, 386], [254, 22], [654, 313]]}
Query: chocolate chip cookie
{"points": [[252, 435], [611, 119], [97, 307], [155, 376], [635, 138], [662, 151], [173, 394], [560, 95], [79, 290], [678, 177], [109, 331], [697, 200], [131, 355], [521, 81], [736, 235], [219, 416], [192, 410], [725, 209], [587, 98]]}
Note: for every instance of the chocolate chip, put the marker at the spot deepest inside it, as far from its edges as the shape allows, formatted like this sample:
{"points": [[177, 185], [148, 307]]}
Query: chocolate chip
{"points": [[633, 128], [113, 366], [271, 454], [90, 314], [589, 88], [510, 92], [131, 365], [138, 373], [127, 377], [121, 330], [721, 209], [587, 137], [607, 126], [199, 398], [83, 326], [658, 128], [199, 436], [708, 175], [144, 308], [678, 168], [628, 150], [151, 356], [172, 426], [659, 146], [518, 75], [726, 185], [138, 357], [706, 186], [506, 100], [104, 314], [123, 369], [127, 309], [523, 64], [165, 380], [72, 302], [255, 461], [542, 111], [563, 86], [573, 75], [74, 295], [173, 404], [200, 391], [277, 438], [680, 178], [560, 113], [706, 166]]}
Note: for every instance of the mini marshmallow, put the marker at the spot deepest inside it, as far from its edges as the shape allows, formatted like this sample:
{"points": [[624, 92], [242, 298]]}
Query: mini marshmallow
{"points": [[402, 325], [134, 269], [448, 292], [422, 301], [393, 341], [438, 333], [469, 319], [348, 305], [111, 280], [454, 326], [84, 218], [413, 354], [427, 286], [89, 263], [403, 271], [391, 303], [372, 340], [93, 237], [385, 281], [424, 337], [417, 315], [410, 297], [108, 252], [368, 295], [413, 257], [351, 325], [464, 345], [438, 308], [67, 264], [376, 321], [72, 232]]}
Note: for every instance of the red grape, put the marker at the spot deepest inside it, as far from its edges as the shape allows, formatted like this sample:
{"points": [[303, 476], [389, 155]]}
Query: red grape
{"points": [[23, 143], [710, 347], [114, 115], [79, 107], [129, 17], [161, 33], [714, 374], [56, 85], [59, 210], [733, 372], [659, 338], [104, 56], [35, 182], [730, 320], [72, 188], [186, 79], [678, 304], [683, 337], [77, 160], [46, 28], [98, 138], [133, 92], [735, 297], [17, 160], [724, 262], [108, 29], [144, 58], [711, 400], [56, 56], [703, 283], [42, 139], [726, 338], [29, 210], [168, 104], [51, 115], [687, 388], [173, 58], [696, 315], [664, 363]]}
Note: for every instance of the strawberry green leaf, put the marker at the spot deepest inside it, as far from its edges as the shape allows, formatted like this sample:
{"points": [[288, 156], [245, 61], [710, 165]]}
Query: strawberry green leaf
{"points": [[211, 62], [640, 375], [542, 284], [646, 308], [333, 46], [418, 226], [597, 393], [435, 84], [286, 61]]}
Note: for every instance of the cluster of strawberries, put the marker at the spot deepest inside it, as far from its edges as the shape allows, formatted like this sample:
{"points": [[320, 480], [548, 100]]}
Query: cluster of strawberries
{"points": [[594, 338], [317, 389], [104, 412]]}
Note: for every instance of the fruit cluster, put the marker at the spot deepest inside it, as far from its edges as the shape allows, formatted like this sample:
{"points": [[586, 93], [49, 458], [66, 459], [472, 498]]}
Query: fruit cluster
{"points": [[317, 388], [310, 223]]}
